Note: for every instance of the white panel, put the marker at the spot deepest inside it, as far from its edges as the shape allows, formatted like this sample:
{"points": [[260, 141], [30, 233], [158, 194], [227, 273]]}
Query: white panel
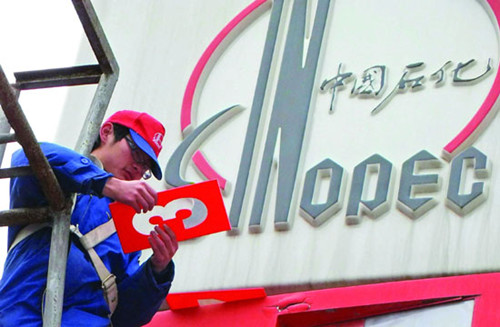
{"points": [[446, 315], [157, 45]]}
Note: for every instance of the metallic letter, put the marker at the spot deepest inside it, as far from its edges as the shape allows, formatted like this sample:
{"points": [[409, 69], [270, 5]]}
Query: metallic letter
{"points": [[380, 203], [290, 111], [253, 123], [412, 184], [316, 214], [178, 160], [456, 199]]}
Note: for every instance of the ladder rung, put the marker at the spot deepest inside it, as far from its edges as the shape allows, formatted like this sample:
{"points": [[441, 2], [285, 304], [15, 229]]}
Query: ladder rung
{"points": [[24, 216], [15, 172], [6, 138], [78, 75]]}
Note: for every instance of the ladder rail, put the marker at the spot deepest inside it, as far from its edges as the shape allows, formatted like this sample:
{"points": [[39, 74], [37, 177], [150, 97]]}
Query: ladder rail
{"points": [[96, 36], [58, 258], [52, 314], [109, 78], [54, 301], [26, 138], [5, 129]]}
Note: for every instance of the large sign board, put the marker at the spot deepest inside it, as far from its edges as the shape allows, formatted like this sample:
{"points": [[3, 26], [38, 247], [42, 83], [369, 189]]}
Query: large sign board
{"points": [[353, 141]]}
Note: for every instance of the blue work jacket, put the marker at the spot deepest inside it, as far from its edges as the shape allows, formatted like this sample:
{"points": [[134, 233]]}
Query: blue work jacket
{"points": [[22, 288]]}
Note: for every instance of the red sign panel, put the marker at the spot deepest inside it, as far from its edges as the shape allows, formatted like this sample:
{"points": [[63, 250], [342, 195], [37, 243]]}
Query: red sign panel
{"points": [[190, 211]]}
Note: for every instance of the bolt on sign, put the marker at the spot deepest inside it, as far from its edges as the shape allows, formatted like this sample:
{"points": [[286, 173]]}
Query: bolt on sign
{"points": [[344, 110]]}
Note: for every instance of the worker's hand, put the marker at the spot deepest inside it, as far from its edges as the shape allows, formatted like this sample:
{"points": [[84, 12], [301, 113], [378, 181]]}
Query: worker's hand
{"points": [[164, 245], [137, 194]]}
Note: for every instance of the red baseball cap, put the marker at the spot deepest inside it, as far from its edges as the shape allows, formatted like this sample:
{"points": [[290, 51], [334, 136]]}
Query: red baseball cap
{"points": [[146, 131]]}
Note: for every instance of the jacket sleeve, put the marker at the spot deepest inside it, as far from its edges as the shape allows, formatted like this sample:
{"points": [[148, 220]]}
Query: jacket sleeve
{"points": [[141, 294], [74, 172]]}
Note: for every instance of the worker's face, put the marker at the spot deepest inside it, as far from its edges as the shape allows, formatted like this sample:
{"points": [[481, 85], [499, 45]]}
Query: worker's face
{"points": [[127, 162], [121, 158], [140, 158]]}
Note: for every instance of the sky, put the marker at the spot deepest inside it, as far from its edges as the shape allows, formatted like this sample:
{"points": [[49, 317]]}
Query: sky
{"points": [[36, 35]]}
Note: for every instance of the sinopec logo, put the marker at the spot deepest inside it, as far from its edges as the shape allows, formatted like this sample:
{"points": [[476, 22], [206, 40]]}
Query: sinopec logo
{"points": [[372, 89]]}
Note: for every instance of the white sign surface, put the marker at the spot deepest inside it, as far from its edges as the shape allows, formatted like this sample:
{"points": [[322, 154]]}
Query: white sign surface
{"points": [[418, 75]]}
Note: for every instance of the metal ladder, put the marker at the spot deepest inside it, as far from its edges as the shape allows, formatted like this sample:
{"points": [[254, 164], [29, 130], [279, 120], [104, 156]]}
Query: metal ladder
{"points": [[105, 75]]}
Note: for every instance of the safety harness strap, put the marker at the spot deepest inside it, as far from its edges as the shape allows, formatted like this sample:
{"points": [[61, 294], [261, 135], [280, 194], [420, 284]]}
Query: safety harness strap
{"points": [[88, 241], [27, 231], [98, 234], [108, 280]]}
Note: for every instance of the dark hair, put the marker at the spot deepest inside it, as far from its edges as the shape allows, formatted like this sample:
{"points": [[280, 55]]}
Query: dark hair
{"points": [[119, 131]]}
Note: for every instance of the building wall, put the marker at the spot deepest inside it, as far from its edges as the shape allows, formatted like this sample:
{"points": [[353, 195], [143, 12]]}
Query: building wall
{"points": [[159, 43]]}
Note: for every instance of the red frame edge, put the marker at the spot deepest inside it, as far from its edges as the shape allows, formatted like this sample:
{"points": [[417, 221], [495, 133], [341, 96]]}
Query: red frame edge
{"points": [[264, 311]]}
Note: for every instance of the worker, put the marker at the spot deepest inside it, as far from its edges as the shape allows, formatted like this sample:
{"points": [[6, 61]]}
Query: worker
{"points": [[103, 285]]}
